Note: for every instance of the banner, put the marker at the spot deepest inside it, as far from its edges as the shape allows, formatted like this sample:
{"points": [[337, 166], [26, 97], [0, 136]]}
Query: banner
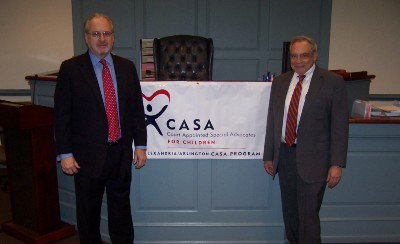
{"points": [[205, 120]]}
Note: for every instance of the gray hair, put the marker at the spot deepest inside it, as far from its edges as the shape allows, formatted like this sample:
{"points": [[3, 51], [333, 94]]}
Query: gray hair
{"points": [[96, 15], [302, 38]]}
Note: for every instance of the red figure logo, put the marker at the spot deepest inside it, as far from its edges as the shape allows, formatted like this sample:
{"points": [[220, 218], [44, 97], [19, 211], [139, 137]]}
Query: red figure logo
{"points": [[151, 119]]}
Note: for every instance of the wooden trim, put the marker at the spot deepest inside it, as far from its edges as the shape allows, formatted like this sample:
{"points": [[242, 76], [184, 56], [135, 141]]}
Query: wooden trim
{"points": [[384, 97], [15, 92], [47, 76], [349, 76], [375, 120]]}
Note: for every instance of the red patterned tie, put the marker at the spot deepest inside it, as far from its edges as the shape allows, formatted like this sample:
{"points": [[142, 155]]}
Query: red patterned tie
{"points": [[111, 103], [291, 121]]}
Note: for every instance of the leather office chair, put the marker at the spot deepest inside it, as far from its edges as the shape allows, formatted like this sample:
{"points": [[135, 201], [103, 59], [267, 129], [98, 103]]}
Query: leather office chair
{"points": [[183, 57]]}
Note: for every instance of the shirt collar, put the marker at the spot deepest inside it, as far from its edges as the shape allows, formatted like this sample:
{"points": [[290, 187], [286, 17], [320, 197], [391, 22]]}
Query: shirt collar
{"points": [[95, 60], [308, 74]]}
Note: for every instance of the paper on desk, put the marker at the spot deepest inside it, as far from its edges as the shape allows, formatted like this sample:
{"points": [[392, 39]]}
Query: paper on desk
{"points": [[389, 108], [385, 110]]}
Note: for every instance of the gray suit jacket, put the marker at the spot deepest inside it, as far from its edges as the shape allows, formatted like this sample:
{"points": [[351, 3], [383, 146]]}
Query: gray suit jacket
{"points": [[322, 133]]}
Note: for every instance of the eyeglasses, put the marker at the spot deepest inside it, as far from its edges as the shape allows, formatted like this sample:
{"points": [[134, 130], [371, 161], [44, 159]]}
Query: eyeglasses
{"points": [[302, 55], [97, 34]]}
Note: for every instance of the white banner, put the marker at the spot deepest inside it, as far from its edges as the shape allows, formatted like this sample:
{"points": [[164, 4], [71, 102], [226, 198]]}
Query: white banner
{"points": [[205, 120]]}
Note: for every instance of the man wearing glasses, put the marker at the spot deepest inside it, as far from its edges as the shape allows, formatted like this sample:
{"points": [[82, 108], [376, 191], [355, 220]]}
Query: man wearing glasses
{"points": [[306, 138], [98, 115]]}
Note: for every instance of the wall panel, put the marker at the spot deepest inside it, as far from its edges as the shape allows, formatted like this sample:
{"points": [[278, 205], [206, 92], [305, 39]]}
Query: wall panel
{"points": [[235, 69], [248, 183], [173, 182], [174, 17], [231, 27], [289, 18], [245, 32]]}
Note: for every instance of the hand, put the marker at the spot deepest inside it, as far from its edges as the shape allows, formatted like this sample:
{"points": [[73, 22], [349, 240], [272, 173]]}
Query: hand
{"points": [[139, 158], [269, 167], [69, 166], [334, 176]]}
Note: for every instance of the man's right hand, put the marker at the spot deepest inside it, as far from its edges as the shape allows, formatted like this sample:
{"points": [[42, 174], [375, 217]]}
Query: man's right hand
{"points": [[69, 166], [269, 167]]}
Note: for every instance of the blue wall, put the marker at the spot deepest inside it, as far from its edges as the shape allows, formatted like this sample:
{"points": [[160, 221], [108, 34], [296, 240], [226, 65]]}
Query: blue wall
{"points": [[248, 34]]}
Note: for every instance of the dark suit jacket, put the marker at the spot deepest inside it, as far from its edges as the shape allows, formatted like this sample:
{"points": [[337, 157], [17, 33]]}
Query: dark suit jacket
{"points": [[80, 118], [323, 128]]}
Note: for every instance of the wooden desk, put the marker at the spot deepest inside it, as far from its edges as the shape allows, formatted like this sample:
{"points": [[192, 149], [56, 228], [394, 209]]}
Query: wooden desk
{"points": [[234, 201], [29, 147]]}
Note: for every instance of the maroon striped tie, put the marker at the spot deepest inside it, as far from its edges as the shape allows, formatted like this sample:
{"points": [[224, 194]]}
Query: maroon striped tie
{"points": [[291, 121], [111, 103]]}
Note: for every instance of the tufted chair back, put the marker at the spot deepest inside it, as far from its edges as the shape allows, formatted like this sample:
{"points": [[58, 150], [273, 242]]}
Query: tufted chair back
{"points": [[183, 57]]}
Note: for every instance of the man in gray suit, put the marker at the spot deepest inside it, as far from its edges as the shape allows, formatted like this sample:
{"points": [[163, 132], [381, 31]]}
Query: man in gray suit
{"points": [[306, 138]]}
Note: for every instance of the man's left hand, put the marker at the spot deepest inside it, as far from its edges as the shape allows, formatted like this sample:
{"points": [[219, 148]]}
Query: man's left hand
{"points": [[139, 158], [334, 175]]}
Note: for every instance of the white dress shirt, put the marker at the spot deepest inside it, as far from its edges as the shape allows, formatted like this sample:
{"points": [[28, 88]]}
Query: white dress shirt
{"points": [[304, 91]]}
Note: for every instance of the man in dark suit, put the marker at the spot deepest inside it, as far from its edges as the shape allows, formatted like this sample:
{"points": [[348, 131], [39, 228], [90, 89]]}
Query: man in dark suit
{"points": [[98, 115], [306, 138]]}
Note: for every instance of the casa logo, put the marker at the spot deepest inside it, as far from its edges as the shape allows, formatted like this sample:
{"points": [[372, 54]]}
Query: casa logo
{"points": [[150, 115], [157, 103]]}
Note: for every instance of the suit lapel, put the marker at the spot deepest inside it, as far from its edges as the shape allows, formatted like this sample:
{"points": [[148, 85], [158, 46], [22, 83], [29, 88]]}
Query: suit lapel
{"points": [[282, 98], [315, 86], [91, 80]]}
